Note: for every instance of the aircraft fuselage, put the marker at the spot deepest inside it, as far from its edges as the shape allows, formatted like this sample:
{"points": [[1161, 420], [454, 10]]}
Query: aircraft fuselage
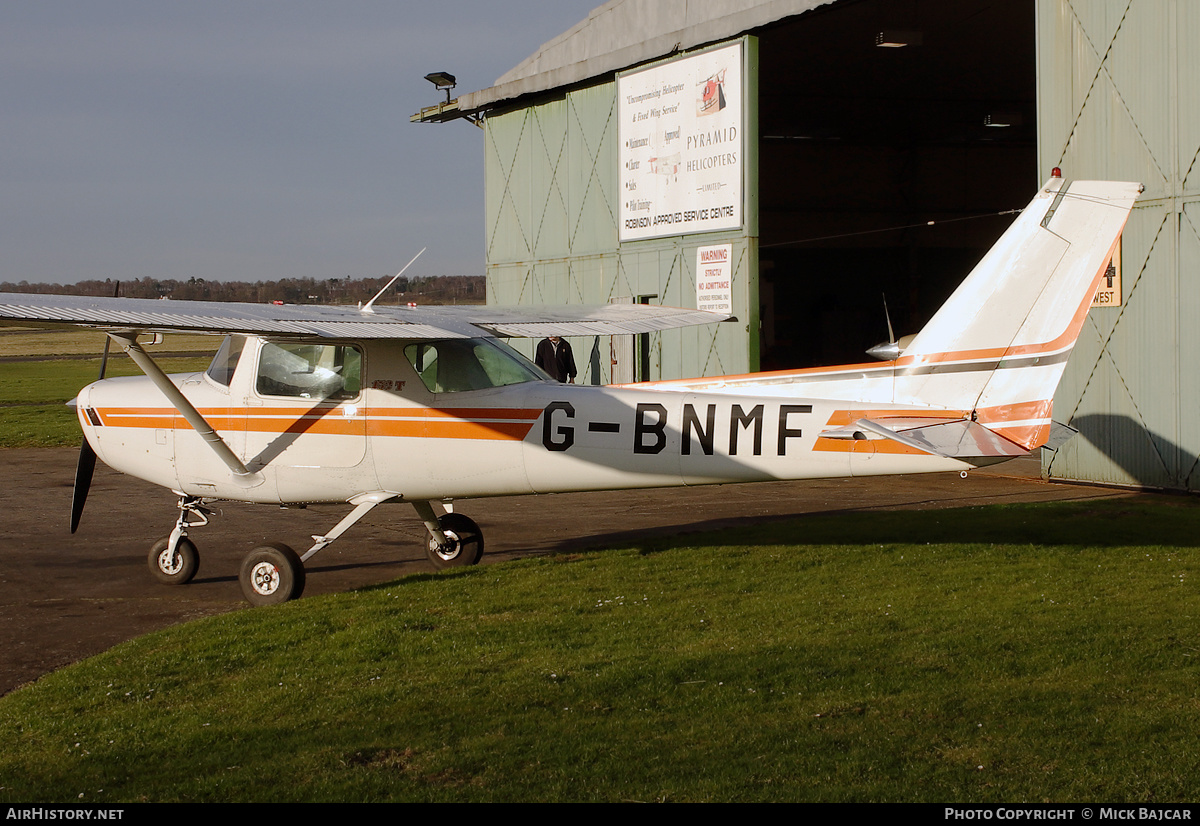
{"points": [[391, 433]]}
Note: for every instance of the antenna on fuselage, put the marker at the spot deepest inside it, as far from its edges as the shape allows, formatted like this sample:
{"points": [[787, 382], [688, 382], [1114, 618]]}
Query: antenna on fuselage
{"points": [[367, 308], [891, 349]]}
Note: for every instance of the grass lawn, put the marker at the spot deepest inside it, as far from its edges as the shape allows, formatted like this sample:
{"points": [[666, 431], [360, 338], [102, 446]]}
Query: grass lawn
{"points": [[33, 394], [50, 341], [1002, 654], [999, 654]]}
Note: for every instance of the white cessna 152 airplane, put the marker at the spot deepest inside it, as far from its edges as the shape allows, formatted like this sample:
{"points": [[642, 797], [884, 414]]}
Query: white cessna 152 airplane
{"points": [[377, 405]]}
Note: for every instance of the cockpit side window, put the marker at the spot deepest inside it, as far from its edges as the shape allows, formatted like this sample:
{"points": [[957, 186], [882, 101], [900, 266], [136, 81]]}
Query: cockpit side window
{"points": [[309, 371], [456, 365], [226, 360]]}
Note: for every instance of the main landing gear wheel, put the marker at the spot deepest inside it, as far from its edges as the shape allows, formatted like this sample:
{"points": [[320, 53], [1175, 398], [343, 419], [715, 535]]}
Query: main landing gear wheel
{"points": [[272, 574], [464, 542], [177, 568]]}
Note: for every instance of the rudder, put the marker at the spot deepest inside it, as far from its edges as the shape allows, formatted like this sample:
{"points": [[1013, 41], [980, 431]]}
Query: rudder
{"points": [[1000, 343]]}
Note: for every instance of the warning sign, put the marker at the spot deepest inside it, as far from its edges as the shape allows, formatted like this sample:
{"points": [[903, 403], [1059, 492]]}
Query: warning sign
{"points": [[714, 278]]}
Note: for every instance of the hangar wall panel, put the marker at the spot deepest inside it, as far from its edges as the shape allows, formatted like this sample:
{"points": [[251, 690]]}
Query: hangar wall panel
{"points": [[1116, 84], [551, 236]]}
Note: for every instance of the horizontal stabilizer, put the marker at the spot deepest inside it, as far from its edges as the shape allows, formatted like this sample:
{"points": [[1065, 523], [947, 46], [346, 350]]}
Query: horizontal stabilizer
{"points": [[953, 439]]}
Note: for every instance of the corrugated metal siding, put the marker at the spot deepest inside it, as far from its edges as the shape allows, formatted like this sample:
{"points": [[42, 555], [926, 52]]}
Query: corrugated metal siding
{"points": [[1189, 346], [592, 136], [1184, 96], [551, 236], [1116, 82]]}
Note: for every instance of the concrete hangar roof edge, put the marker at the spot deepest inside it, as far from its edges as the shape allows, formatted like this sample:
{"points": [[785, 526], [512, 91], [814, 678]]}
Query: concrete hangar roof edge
{"points": [[625, 33]]}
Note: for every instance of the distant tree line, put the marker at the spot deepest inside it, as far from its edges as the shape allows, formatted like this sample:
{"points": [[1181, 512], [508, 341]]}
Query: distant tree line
{"points": [[429, 289]]}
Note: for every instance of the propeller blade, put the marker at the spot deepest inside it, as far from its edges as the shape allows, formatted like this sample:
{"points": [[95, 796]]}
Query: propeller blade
{"points": [[104, 358], [87, 460], [83, 482]]}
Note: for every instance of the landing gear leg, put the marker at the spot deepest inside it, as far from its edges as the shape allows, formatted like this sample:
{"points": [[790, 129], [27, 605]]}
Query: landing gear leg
{"points": [[175, 560], [454, 539], [274, 573]]}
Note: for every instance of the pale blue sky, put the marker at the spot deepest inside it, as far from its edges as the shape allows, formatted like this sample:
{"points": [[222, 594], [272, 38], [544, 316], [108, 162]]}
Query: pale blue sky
{"points": [[250, 140]]}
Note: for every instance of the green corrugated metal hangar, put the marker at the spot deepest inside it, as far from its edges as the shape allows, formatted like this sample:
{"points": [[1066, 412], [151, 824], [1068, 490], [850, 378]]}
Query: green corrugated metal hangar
{"points": [[785, 159]]}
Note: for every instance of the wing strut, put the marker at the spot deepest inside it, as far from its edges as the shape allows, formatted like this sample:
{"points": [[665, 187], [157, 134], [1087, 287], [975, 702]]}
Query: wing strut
{"points": [[241, 474], [363, 503]]}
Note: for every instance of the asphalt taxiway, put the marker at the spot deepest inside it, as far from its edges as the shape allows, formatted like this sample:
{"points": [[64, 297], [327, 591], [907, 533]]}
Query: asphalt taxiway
{"points": [[64, 597]]}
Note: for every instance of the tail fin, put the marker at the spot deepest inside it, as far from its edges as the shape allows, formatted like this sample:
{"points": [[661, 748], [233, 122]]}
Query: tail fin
{"points": [[999, 345]]}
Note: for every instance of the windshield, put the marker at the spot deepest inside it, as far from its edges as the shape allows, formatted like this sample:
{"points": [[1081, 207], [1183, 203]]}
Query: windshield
{"points": [[226, 360], [455, 365]]}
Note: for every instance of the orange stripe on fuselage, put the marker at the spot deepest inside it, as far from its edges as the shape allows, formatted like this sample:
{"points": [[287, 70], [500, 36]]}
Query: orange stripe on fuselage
{"points": [[416, 429], [137, 417], [1019, 411], [841, 418], [529, 414], [876, 446], [414, 422], [769, 376], [1029, 436]]}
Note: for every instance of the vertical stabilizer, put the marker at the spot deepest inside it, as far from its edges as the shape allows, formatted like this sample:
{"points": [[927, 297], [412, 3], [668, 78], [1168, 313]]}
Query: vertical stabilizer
{"points": [[999, 345]]}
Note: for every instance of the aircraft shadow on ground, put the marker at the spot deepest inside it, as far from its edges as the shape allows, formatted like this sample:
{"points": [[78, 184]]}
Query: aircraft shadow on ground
{"points": [[1110, 520]]}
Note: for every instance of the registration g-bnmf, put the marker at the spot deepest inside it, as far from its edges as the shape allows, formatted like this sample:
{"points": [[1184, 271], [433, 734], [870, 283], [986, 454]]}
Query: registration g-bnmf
{"points": [[370, 405]]}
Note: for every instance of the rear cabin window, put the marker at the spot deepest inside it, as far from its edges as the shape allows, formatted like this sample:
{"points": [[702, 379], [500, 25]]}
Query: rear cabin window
{"points": [[309, 371], [455, 365]]}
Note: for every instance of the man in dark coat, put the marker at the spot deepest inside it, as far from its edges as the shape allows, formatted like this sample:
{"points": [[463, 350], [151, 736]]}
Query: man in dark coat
{"points": [[554, 356]]}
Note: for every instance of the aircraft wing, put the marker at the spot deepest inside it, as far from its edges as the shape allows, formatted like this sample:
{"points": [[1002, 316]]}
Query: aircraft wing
{"points": [[585, 320], [302, 320]]}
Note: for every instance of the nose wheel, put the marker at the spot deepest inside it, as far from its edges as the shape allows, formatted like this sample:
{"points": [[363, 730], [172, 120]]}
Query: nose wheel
{"points": [[175, 567], [175, 560]]}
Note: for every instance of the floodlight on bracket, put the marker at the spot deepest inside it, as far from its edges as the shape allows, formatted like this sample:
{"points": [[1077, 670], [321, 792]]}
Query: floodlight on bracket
{"points": [[448, 110], [442, 81]]}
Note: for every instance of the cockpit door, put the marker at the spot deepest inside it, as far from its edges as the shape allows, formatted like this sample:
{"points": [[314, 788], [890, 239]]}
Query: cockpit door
{"points": [[307, 407]]}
